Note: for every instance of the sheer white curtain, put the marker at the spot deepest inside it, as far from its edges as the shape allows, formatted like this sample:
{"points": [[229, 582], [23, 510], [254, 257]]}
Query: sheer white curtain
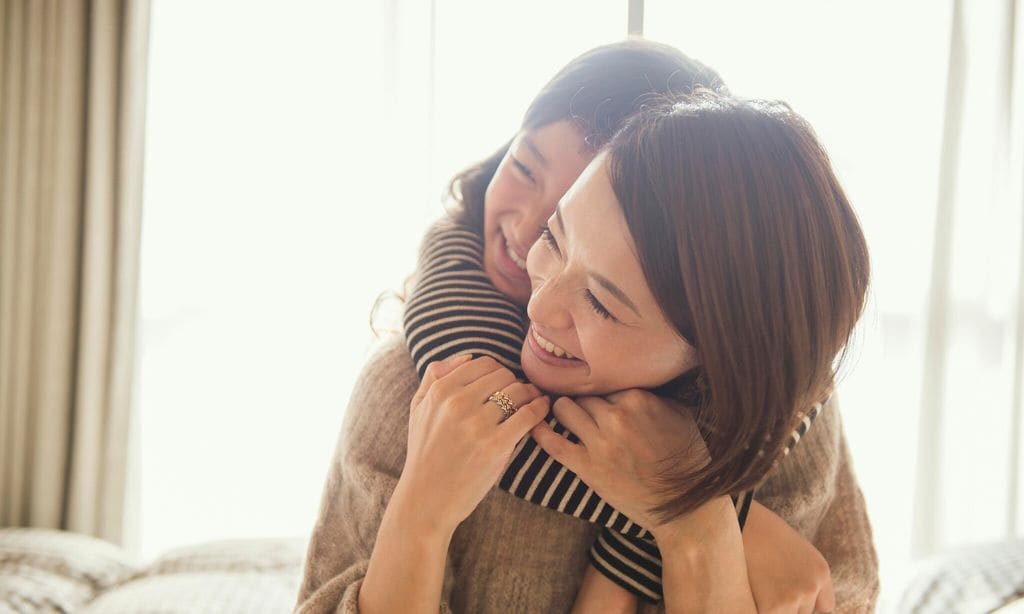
{"points": [[295, 153], [967, 477], [919, 105]]}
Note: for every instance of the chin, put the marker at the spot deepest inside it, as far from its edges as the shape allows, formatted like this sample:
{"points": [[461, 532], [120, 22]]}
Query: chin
{"points": [[548, 384]]}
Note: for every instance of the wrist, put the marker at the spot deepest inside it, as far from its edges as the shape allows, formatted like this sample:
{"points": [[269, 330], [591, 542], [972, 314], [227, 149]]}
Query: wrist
{"points": [[701, 528], [704, 549], [409, 511]]}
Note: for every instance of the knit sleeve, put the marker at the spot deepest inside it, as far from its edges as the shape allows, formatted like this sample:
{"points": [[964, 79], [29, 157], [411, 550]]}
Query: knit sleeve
{"points": [[454, 308], [816, 492], [845, 539], [367, 463]]}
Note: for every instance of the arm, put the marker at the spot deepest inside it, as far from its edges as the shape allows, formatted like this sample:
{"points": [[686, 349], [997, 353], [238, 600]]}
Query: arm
{"points": [[815, 491], [704, 567], [406, 570], [773, 551], [362, 477], [599, 594], [845, 540], [453, 308], [787, 573]]}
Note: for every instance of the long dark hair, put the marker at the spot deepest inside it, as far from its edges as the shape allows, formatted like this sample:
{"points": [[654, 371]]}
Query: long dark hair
{"points": [[757, 259], [598, 91]]}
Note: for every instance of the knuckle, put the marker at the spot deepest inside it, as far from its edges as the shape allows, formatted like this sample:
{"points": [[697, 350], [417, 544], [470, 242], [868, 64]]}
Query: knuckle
{"points": [[633, 396], [525, 393], [616, 418], [821, 567], [488, 361], [433, 396]]}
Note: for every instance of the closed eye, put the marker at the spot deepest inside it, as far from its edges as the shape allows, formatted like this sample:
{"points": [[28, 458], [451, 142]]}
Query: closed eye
{"points": [[522, 168], [596, 305], [549, 238]]}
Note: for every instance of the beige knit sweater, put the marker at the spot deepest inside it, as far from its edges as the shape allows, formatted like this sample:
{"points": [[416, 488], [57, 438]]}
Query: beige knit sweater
{"points": [[512, 556]]}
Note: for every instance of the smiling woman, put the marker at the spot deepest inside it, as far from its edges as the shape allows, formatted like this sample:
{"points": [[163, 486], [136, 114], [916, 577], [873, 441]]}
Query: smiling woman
{"points": [[722, 218], [497, 546], [590, 299]]}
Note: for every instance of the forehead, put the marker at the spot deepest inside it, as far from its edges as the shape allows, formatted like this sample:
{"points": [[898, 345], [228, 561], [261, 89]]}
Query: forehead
{"points": [[591, 201], [597, 234], [558, 142]]}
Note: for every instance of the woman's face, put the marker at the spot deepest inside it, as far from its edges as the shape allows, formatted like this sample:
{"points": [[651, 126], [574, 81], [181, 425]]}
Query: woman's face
{"points": [[539, 167], [595, 325]]}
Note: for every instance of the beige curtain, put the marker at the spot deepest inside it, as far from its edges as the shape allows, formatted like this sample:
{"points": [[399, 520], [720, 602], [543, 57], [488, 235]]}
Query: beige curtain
{"points": [[72, 98]]}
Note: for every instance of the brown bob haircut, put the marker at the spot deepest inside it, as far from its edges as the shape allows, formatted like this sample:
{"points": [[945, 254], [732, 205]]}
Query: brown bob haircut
{"points": [[598, 90], [755, 256]]}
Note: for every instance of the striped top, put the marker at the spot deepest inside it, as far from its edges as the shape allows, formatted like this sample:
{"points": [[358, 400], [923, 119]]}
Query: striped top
{"points": [[455, 309]]}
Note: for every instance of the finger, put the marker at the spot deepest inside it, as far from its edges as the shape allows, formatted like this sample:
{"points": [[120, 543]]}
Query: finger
{"points": [[446, 366], [473, 370], [435, 371], [489, 383], [805, 607], [826, 598], [520, 423], [572, 455], [520, 393], [575, 416]]}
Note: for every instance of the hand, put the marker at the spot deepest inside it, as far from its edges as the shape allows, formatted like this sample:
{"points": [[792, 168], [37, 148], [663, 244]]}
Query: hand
{"points": [[457, 448], [627, 439], [786, 573]]}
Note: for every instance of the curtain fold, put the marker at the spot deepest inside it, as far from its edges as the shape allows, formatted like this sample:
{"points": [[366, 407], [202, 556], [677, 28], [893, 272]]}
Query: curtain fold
{"points": [[72, 102], [967, 484]]}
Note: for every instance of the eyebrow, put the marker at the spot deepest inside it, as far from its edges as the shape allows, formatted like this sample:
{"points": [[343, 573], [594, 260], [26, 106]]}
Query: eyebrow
{"points": [[601, 279], [536, 152], [615, 291]]}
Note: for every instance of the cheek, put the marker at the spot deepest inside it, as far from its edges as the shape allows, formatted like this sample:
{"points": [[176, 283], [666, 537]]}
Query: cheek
{"points": [[501, 195], [666, 358], [535, 258], [616, 363], [601, 348]]}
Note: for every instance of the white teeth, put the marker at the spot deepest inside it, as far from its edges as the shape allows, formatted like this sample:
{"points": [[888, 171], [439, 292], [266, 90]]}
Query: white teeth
{"points": [[516, 259], [551, 347]]}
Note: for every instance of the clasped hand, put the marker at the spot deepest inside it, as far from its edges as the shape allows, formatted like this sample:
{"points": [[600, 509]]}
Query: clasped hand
{"points": [[628, 440]]}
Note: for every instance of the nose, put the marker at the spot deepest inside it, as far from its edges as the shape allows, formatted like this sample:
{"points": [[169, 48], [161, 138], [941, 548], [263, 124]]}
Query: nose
{"points": [[549, 304]]}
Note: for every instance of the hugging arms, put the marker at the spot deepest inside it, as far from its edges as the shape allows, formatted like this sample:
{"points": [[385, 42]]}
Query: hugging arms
{"points": [[454, 309], [649, 272]]}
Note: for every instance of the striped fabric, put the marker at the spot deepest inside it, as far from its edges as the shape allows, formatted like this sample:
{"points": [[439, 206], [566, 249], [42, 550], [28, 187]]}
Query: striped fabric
{"points": [[454, 309]]}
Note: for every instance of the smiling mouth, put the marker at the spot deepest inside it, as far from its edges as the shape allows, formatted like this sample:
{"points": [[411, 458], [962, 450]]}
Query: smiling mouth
{"points": [[551, 347], [513, 256]]}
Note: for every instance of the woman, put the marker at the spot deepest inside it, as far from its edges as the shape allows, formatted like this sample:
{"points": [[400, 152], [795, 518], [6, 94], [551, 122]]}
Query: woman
{"points": [[455, 307], [313, 546], [471, 268]]}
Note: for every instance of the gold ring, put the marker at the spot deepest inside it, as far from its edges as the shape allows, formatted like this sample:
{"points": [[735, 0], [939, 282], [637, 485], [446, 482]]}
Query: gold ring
{"points": [[505, 403]]}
